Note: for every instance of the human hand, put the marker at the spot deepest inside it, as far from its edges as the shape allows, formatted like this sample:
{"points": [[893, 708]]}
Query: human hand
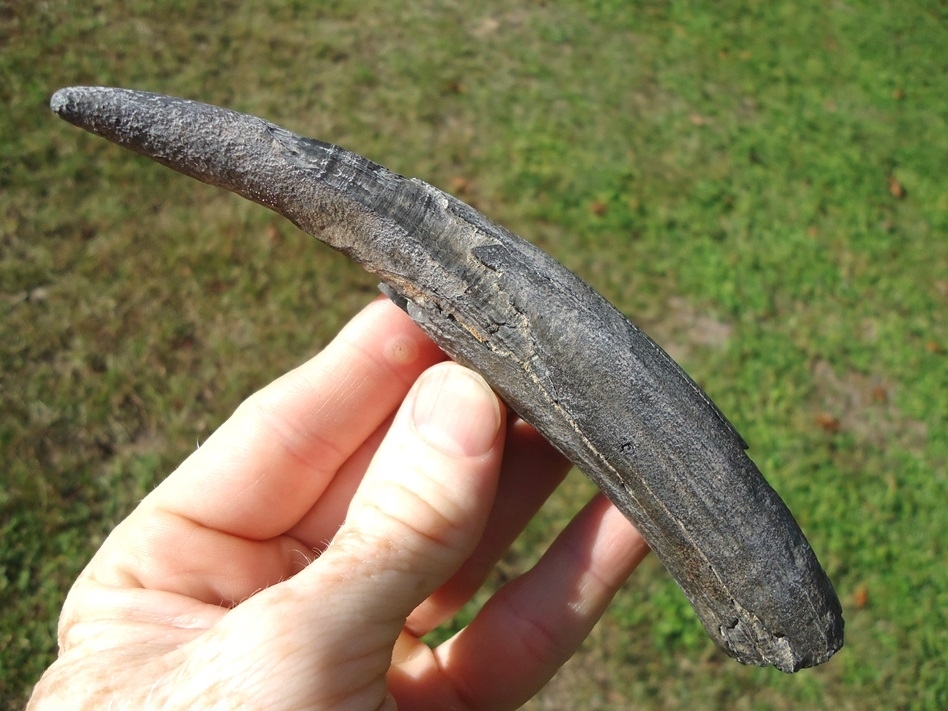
{"points": [[295, 560]]}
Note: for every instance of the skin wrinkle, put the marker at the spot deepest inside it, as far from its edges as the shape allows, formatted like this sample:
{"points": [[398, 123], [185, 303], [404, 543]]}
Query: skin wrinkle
{"points": [[363, 656], [288, 435], [435, 522], [438, 529], [388, 558], [538, 638], [319, 524], [298, 440], [517, 500], [88, 636], [520, 629], [217, 471], [106, 606], [151, 545], [374, 686], [406, 663], [230, 571], [458, 687], [583, 556]]}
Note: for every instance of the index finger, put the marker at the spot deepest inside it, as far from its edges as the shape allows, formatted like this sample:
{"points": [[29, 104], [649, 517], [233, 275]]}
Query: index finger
{"points": [[264, 468]]}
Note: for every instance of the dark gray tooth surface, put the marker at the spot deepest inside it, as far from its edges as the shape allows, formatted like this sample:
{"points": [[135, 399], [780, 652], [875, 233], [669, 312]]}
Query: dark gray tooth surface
{"points": [[560, 355]]}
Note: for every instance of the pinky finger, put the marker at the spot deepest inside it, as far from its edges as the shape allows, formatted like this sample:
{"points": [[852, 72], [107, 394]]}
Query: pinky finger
{"points": [[532, 626]]}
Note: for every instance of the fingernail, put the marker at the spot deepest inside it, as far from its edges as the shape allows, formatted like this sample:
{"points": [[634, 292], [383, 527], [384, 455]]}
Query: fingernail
{"points": [[455, 411]]}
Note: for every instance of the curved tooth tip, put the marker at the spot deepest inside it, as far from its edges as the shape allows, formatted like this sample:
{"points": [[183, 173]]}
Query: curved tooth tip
{"points": [[71, 102], [66, 96]]}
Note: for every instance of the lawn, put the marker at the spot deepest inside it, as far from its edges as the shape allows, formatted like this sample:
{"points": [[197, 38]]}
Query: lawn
{"points": [[762, 186]]}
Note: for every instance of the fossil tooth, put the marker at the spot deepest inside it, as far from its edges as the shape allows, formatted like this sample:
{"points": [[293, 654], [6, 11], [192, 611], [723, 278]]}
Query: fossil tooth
{"points": [[560, 355]]}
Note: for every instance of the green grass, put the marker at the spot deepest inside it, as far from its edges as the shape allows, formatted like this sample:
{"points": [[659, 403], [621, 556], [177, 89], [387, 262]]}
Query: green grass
{"points": [[761, 185]]}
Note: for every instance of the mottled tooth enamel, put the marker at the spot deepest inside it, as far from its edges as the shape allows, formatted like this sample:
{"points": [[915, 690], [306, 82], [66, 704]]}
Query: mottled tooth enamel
{"points": [[560, 355]]}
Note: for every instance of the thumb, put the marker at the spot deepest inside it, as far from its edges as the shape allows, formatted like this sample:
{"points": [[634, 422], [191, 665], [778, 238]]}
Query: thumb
{"points": [[418, 514], [424, 501]]}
